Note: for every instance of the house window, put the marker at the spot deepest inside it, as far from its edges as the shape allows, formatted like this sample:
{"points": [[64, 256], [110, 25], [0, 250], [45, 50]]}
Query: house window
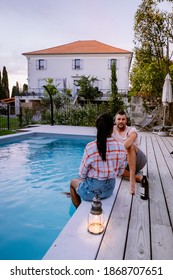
{"points": [[41, 64], [77, 64], [111, 61]]}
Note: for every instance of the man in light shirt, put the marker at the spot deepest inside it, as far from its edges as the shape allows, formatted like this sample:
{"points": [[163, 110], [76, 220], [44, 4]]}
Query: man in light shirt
{"points": [[128, 135]]}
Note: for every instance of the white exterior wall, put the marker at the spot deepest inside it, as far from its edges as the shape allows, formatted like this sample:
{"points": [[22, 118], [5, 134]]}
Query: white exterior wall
{"points": [[60, 67]]}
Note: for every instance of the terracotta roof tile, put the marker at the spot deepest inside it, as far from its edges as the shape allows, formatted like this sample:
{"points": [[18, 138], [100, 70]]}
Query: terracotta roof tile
{"points": [[79, 47]]}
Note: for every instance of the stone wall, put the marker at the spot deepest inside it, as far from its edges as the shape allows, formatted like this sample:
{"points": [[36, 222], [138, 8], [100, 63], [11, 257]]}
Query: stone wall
{"points": [[137, 109]]}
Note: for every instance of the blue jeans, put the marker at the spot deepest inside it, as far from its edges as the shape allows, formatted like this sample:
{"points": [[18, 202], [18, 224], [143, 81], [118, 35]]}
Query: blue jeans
{"points": [[90, 186]]}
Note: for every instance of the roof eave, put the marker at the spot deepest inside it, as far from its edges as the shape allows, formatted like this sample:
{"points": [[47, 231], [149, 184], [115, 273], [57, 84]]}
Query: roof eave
{"points": [[77, 53]]}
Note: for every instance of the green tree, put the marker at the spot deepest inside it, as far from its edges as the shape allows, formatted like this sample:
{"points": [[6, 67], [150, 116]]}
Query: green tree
{"points": [[5, 87], [59, 100], [51, 87], [147, 79], [87, 88], [115, 101], [152, 30], [25, 88], [152, 35], [15, 90]]}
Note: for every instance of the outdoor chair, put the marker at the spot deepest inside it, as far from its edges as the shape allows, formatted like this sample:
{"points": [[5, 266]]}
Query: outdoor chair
{"points": [[159, 128], [170, 131], [146, 121]]}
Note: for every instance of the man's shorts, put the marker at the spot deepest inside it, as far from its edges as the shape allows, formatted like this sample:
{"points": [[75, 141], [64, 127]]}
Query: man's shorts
{"points": [[90, 186], [141, 160]]}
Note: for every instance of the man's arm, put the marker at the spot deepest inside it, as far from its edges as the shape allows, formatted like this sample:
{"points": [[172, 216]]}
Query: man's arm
{"points": [[130, 140]]}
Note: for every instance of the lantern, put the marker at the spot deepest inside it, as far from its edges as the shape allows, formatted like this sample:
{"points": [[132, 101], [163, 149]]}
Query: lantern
{"points": [[96, 217]]}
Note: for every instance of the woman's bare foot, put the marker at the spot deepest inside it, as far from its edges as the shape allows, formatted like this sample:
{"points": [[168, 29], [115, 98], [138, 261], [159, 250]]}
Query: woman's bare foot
{"points": [[68, 194]]}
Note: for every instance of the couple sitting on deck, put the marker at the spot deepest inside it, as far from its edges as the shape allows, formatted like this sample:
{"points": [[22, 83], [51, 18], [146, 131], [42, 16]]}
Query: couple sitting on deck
{"points": [[115, 152]]}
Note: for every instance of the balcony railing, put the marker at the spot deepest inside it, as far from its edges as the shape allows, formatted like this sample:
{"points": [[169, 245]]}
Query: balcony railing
{"points": [[39, 92]]}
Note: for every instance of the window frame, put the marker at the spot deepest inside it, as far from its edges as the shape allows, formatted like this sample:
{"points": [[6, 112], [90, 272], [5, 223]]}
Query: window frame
{"points": [[77, 64], [41, 64], [111, 61]]}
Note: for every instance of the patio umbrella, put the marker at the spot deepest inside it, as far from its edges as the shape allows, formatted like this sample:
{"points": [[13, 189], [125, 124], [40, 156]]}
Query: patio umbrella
{"points": [[166, 95]]}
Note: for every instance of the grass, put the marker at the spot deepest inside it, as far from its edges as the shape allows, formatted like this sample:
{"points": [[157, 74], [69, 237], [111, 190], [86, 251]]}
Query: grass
{"points": [[13, 125], [6, 132]]}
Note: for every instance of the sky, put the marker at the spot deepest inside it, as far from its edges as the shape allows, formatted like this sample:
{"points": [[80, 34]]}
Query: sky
{"points": [[31, 25]]}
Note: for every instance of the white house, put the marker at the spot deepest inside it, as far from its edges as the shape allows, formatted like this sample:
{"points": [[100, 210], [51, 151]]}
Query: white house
{"points": [[67, 63]]}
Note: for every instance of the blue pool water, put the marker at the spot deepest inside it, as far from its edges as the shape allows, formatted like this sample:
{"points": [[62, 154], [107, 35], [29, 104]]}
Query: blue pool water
{"points": [[33, 174]]}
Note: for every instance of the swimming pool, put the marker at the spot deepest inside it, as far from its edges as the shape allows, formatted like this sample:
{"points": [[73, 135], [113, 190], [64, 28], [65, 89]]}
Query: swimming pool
{"points": [[34, 173]]}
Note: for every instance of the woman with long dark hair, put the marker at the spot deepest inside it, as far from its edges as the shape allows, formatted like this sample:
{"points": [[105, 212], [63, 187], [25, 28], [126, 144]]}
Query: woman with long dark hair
{"points": [[103, 160]]}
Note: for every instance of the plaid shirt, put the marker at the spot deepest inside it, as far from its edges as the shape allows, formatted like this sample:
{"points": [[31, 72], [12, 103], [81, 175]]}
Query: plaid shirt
{"points": [[93, 166]]}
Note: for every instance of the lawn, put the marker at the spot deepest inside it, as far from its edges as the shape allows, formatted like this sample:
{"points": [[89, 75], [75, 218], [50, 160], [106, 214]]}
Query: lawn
{"points": [[13, 125], [7, 132]]}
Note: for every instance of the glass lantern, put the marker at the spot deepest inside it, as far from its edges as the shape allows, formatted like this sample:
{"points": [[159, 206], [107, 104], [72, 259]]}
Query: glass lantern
{"points": [[96, 217]]}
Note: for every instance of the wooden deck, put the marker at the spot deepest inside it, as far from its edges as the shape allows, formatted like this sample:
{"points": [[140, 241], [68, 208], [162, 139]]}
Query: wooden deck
{"points": [[143, 229]]}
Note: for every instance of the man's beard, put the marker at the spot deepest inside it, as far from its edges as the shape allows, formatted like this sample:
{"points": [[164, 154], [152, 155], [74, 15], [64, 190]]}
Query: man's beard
{"points": [[121, 127]]}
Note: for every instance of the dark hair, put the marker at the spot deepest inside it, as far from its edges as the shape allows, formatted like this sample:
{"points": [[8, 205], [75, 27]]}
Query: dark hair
{"points": [[121, 112], [104, 125]]}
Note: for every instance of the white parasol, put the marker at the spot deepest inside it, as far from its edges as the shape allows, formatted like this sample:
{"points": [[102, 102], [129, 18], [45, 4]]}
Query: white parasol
{"points": [[166, 95]]}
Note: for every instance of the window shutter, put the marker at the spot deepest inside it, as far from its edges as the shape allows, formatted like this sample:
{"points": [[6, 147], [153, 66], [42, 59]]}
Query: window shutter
{"points": [[81, 64], [37, 64], [73, 64], [45, 64]]}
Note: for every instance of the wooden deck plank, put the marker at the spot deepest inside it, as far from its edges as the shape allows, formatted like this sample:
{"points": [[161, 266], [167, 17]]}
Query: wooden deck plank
{"points": [[138, 242], [161, 232], [113, 244], [155, 190], [166, 148], [165, 167], [144, 149], [169, 144]]}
